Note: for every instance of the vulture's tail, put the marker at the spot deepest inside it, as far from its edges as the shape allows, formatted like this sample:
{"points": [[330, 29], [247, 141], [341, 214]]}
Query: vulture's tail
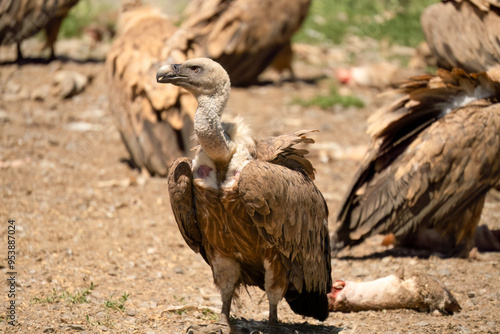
{"points": [[310, 304]]}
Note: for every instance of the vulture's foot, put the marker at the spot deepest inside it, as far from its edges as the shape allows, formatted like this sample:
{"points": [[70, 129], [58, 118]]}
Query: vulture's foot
{"points": [[218, 328], [416, 291]]}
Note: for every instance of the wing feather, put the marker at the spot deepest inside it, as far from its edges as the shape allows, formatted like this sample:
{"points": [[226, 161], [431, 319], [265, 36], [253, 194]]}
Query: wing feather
{"points": [[291, 214], [463, 33], [180, 188], [244, 36], [431, 173]]}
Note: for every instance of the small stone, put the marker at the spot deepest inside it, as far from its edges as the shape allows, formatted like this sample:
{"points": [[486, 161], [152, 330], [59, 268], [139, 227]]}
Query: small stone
{"points": [[471, 294], [130, 312], [76, 327], [422, 323], [48, 330], [68, 83], [445, 272], [178, 270]]}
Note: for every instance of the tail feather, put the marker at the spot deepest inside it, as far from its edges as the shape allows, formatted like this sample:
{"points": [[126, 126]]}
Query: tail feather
{"points": [[308, 303]]}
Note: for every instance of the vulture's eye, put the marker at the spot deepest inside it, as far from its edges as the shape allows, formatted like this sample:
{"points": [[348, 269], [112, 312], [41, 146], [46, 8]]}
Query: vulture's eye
{"points": [[195, 69]]}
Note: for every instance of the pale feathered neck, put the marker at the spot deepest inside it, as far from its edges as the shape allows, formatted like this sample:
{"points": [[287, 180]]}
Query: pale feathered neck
{"points": [[207, 122]]}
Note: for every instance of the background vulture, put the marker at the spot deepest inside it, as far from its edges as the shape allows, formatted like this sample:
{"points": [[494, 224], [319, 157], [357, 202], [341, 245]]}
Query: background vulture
{"points": [[464, 33], [245, 36], [249, 206], [435, 154], [21, 19]]}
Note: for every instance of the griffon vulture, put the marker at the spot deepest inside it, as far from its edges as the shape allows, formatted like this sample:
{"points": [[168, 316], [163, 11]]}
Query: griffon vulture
{"points": [[249, 206], [435, 154], [21, 19], [243, 35], [464, 33]]}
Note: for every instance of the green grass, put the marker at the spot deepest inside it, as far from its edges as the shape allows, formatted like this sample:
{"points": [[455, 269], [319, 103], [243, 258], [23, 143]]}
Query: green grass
{"points": [[118, 304], [330, 100], [82, 15], [397, 21], [79, 297]]}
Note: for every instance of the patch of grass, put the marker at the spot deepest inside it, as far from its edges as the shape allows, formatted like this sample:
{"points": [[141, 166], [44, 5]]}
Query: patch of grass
{"points": [[82, 15], [397, 21], [79, 297], [119, 304], [210, 314], [107, 321], [330, 100]]}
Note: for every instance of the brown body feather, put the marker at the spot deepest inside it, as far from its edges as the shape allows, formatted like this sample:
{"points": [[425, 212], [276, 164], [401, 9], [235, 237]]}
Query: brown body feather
{"points": [[21, 19], [464, 33], [435, 154]]}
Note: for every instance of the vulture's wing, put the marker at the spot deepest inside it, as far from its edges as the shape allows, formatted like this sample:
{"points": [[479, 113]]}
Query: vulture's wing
{"points": [[244, 36], [21, 19], [180, 188], [282, 150], [290, 213], [464, 34], [435, 152], [154, 120]]}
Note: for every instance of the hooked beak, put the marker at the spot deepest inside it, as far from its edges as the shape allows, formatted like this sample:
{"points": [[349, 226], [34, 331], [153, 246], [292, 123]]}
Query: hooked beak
{"points": [[169, 74]]}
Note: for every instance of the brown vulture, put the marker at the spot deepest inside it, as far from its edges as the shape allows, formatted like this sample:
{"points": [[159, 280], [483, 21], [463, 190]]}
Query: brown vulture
{"points": [[464, 33], [435, 154], [249, 206], [245, 36], [21, 19]]}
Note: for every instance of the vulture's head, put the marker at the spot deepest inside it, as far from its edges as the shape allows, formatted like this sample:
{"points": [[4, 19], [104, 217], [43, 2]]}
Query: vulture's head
{"points": [[200, 76]]}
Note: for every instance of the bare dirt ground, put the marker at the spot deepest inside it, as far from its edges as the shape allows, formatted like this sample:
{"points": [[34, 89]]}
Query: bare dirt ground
{"points": [[97, 247]]}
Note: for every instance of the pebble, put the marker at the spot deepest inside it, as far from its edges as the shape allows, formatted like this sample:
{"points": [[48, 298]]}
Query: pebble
{"points": [[422, 323], [130, 312], [76, 327], [68, 83], [445, 272]]}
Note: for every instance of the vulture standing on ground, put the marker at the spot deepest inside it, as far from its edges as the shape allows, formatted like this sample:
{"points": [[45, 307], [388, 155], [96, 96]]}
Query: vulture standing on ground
{"points": [[21, 19], [155, 121], [245, 36], [249, 206], [464, 33], [435, 154]]}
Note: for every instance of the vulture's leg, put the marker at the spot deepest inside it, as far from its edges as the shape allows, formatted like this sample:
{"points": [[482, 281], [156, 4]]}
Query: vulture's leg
{"points": [[274, 291], [51, 31], [226, 277]]}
